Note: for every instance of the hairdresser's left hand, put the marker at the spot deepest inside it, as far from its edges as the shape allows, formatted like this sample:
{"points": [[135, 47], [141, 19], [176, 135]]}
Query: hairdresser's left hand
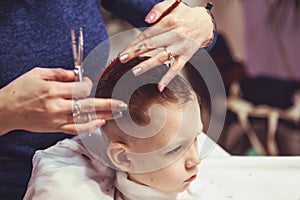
{"points": [[179, 34]]}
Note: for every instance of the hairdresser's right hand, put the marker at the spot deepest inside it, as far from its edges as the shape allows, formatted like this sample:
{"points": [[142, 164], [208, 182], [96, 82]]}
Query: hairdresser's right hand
{"points": [[41, 101]]}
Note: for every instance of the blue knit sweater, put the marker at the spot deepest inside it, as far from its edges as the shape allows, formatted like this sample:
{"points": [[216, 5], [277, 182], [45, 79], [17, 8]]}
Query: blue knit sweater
{"points": [[37, 33]]}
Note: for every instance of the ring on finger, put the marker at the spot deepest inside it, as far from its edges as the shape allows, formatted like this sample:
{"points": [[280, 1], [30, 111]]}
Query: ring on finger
{"points": [[76, 72], [76, 109], [83, 118], [89, 117], [171, 59], [141, 46]]}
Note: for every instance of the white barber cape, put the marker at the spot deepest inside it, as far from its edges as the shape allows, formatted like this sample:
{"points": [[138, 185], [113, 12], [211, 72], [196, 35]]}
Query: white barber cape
{"points": [[68, 171]]}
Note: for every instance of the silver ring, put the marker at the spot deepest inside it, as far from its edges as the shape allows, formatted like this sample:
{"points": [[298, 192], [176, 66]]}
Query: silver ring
{"points": [[76, 109], [141, 46], [171, 59], [76, 72], [83, 118], [89, 116], [170, 56]]}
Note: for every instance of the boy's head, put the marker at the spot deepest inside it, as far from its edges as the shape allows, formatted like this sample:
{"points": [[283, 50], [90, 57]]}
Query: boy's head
{"points": [[155, 140]]}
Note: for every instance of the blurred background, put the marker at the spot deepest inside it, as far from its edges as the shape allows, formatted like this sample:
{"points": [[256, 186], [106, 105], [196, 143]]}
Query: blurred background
{"points": [[257, 53]]}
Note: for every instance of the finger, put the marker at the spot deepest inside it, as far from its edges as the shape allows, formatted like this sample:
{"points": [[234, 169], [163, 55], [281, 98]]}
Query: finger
{"points": [[107, 115], [82, 89], [175, 69], [98, 109], [157, 11], [96, 105], [148, 33], [55, 74], [164, 25], [163, 39], [102, 104], [88, 127], [135, 47], [70, 90], [86, 117], [150, 63], [83, 118]]}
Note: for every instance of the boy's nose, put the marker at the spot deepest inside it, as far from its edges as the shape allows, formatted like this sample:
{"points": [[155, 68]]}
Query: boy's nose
{"points": [[192, 156]]}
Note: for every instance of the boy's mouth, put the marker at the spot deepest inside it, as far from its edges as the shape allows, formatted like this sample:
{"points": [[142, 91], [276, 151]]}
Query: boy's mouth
{"points": [[191, 179]]}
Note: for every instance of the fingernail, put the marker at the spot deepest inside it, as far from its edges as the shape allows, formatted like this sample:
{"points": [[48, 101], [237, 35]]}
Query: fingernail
{"points": [[150, 17], [124, 57], [137, 71], [161, 87], [122, 106], [117, 115], [75, 72], [100, 123]]}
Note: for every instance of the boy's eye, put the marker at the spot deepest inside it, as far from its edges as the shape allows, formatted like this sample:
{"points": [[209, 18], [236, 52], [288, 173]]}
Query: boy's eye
{"points": [[176, 150]]}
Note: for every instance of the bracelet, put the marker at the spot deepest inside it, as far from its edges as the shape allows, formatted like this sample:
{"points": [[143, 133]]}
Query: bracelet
{"points": [[208, 8]]}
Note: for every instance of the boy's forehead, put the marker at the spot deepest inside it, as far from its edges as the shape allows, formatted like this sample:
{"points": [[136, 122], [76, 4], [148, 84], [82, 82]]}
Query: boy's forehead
{"points": [[185, 118], [182, 123]]}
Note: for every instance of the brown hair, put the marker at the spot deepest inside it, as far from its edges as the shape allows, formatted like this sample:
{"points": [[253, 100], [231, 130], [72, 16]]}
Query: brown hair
{"points": [[177, 92]]}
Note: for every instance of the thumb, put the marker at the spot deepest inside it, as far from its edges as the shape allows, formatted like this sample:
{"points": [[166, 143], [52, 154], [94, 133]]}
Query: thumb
{"points": [[56, 74], [161, 9]]}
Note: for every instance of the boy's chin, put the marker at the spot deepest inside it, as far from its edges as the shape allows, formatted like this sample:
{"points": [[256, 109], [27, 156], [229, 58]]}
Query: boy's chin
{"points": [[179, 190]]}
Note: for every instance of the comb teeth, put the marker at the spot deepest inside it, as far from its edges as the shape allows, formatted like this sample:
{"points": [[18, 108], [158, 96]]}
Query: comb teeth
{"points": [[112, 63]]}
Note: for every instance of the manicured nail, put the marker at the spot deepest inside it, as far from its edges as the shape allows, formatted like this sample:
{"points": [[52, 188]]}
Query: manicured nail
{"points": [[150, 17], [122, 106], [100, 123], [75, 72], [161, 87], [117, 115], [137, 71], [124, 57]]}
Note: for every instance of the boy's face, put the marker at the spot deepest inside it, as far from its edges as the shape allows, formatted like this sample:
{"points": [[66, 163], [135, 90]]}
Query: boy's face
{"points": [[183, 125]]}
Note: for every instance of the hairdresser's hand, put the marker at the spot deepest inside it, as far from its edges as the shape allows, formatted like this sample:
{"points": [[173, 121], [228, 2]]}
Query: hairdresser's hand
{"points": [[180, 34], [41, 101]]}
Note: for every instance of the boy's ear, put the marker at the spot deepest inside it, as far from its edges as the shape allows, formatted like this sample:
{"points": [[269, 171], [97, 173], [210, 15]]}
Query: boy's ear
{"points": [[117, 153]]}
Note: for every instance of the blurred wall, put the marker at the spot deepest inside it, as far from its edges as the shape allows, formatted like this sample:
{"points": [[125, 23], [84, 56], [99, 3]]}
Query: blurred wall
{"points": [[265, 47], [272, 44]]}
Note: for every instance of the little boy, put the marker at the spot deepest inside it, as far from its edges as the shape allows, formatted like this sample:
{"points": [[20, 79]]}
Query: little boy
{"points": [[151, 152]]}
